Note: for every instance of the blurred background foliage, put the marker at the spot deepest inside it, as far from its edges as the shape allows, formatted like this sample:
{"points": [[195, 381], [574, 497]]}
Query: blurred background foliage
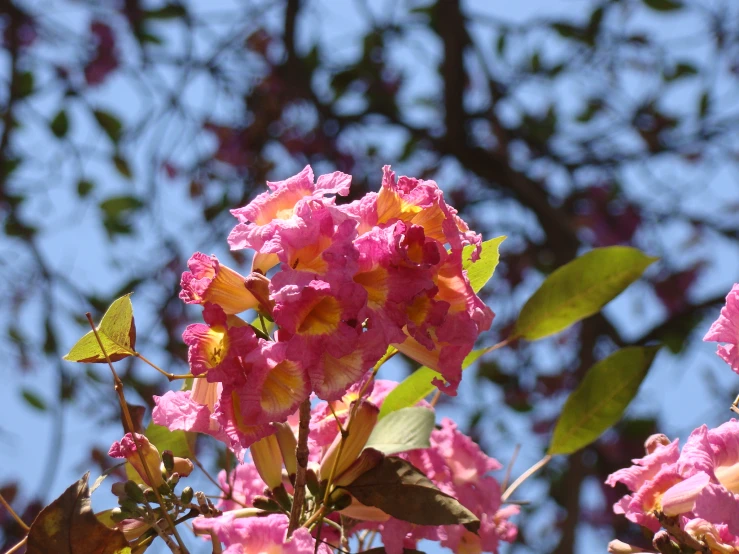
{"points": [[131, 127]]}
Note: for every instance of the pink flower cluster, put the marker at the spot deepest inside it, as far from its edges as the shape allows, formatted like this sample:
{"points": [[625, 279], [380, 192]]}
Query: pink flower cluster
{"points": [[345, 283], [453, 462], [726, 329], [693, 493]]}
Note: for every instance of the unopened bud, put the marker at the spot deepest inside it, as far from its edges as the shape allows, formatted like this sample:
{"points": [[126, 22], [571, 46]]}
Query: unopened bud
{"points": [[118, 489], [118, 515], [283, 497], [288, 446], [368, 459], [654, 441], [267, 458], [147, 462], [187, 494], [618, 547], [663, 542], [183, 466], [266, 504], [128, 505], [173, 480], [258, 285], [311, 481], [164, 489], [133, 491], [340, 500], [364, 422], [168, 461], [150, 495]]}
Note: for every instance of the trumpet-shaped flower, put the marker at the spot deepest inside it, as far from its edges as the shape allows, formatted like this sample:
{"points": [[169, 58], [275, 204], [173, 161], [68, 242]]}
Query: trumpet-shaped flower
{"points": [[726, 329], [243, 485], [274, 385], [209, 281], [263, 218], [266, 535], [217, 347]]}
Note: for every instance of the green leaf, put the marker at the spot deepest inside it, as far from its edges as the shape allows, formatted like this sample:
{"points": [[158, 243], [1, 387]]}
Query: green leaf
{"points": [[601, 398], [168, 11], [403, 430], [703, 104], [84, 187], [60, 124], [664, 5], [482, 270], [418, 385], [122, 165], [402, 491], [117, 205], [579, 289], [24, 83], [117, 332], [109, 123], [68, 526], [681, 70], [34, 400]]}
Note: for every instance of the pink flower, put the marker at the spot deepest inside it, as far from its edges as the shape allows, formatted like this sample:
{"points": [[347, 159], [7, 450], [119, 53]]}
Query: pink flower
{"points": [[726, 329], [263, 217], [274, 385], [241, 431], [209, 281], [217, 347], [152, 461], [244, 483], [258, 534]]}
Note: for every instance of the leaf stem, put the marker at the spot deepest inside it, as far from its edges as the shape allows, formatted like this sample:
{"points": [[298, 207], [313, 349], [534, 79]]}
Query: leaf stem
{"points": [[12, 512], [128, 423], [525, 475], [301, 453], [167, 374], [512, 461], [227, 493]]}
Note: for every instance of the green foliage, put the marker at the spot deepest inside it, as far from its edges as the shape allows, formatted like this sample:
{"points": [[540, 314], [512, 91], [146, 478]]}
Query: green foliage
{"points": [[418, 385], [664, 5], [482, 270], [117, 332], [60, 124], [601, 399], [579, 289], [34, 400], [400, 490], [122, 165], [109, 123], [84, 187], [168, 11], [68, 526], [402, 430]]}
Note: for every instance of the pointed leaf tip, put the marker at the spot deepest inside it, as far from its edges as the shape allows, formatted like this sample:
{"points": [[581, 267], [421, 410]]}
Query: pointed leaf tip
{"points": [[117, 331]]}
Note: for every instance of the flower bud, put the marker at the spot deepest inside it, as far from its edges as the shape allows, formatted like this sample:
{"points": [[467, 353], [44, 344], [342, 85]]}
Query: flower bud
{"points": [[663, 542], [147, 459], [118, 489], [288, 446], [651, 444], [367, 460], [168, 461], [265, 453], [150, 495], [117, 515], [183, 466], [266, 504], [340, 500], [133, 491], [258, 285], [360, 429], [187, 494], [283, 498], [618, 547], [311, 481], [128, 505], [173, 480]]}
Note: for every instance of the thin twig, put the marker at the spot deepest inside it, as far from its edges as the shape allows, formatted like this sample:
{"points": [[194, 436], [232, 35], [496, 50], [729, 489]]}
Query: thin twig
{"points": [[512, 461], [18, 546], [227, 493], [526, 474], [128, 423], [167, 374], [11, 511], [301, 453]]}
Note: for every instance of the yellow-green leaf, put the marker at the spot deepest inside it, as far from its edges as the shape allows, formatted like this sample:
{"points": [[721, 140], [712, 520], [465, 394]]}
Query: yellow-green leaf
{"points": [[418, 385], [579, 289], [482, 270], [403, 430], [117, 332], [601, 398]]}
